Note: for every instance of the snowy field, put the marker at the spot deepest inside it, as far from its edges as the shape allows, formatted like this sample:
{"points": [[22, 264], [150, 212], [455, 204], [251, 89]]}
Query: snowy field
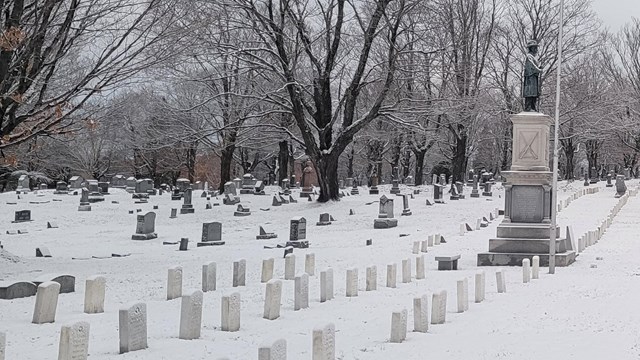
{"points": [[585, 311]]}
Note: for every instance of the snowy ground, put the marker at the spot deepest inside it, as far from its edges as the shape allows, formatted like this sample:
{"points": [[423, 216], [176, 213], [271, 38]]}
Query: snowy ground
{"points": [[579, 313]]}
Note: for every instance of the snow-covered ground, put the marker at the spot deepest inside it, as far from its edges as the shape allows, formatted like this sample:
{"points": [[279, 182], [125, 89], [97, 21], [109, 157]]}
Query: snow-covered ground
{"points": [[582, 312]]}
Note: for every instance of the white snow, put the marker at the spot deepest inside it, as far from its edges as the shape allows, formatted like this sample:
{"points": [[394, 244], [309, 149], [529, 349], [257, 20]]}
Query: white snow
{"points": [[581, 312]]}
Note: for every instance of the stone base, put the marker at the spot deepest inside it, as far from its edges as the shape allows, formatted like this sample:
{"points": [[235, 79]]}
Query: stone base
{"points": [[140, 196], [246, 191], [84, 208], [474, 194], [454, 197], [525, 231], [395, 191], [374, 191], [305, 194], [487, 193], [241, 213], [406, 212], [64, 192], [236, 200], [439, 201], [515, 259], [525, 246], [144, 236], [210, 243], [298, 244], [187, 210], [176, 197], [385, 223], [323, 223], [266, 237], [608, 185], [96, 198]]}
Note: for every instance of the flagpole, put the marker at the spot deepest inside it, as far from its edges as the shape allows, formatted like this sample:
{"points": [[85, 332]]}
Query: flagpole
{"points": [[554, 194]]}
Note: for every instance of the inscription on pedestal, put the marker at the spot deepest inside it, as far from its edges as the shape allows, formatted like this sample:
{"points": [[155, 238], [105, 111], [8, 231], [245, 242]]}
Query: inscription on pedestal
{"points": [[527, 204]]}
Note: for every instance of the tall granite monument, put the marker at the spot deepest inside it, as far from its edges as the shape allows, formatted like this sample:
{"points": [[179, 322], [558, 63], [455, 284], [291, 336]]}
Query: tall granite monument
{"points": [[525, 229]]}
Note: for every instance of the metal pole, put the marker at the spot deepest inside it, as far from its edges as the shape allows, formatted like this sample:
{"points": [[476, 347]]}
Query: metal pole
{"points": [[554, 194]]}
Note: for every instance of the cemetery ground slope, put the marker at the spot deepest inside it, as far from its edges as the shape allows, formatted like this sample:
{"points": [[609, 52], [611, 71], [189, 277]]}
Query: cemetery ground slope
{"points": [[582, 312]]}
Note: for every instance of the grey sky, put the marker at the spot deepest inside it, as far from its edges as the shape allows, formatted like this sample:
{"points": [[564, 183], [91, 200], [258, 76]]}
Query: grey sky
{"points": [[615, 13]]}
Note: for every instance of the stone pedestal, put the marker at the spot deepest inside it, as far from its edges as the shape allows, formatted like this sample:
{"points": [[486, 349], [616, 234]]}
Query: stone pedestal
{"points": [[525, 229]]}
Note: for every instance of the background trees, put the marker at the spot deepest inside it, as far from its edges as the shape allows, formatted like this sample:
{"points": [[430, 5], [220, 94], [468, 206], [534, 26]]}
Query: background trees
{"points": [[209, 90]]}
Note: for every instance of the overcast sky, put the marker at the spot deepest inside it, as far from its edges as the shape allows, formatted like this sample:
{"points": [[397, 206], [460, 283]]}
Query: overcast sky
{"points": [[615, 13]]}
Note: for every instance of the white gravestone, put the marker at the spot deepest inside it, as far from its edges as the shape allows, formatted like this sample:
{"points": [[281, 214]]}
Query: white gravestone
{"points": [[526, 270], [324, 343], [46, 302], [267, 270], [535, 270], [480, 287], [437, 239], [273, 299], [310, 264], [439, 307], [500, 282], [94, 294], [424, 245], [392, 275], [430, 240], [74, 342], [372, 278], [239, 272], [326, 285], [463, 228], [275, 351], [174, 282], [463, 295], [231, 312], [421, 314], [420, 273], [191, 315], [352, 282], [289, 267], [209, 277], [3, 344], [398, 326], [133, 327], [301, 292], [406, 271], [416, 247]]}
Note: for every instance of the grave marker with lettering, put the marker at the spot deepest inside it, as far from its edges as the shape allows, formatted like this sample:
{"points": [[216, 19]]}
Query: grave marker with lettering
{"points": [[133, 327]]}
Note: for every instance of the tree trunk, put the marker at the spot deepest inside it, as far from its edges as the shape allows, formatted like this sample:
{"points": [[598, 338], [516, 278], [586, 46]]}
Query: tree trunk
{"points": [[283, 161], [191, 161], [226, 159], [459, 160], [406, 162], [419, 168], [350, 158], [327, 171], [570, 165], [506, 146]]}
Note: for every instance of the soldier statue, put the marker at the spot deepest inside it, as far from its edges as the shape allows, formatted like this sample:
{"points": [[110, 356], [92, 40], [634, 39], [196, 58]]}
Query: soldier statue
{"points": [[531, 78]]}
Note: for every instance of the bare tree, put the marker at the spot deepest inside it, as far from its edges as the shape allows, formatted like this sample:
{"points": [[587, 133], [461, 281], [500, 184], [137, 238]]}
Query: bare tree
{"points": [[55, 55]]}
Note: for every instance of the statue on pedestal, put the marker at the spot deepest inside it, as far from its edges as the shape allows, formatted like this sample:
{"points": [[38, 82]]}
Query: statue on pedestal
{"points": [[531, 78]]}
